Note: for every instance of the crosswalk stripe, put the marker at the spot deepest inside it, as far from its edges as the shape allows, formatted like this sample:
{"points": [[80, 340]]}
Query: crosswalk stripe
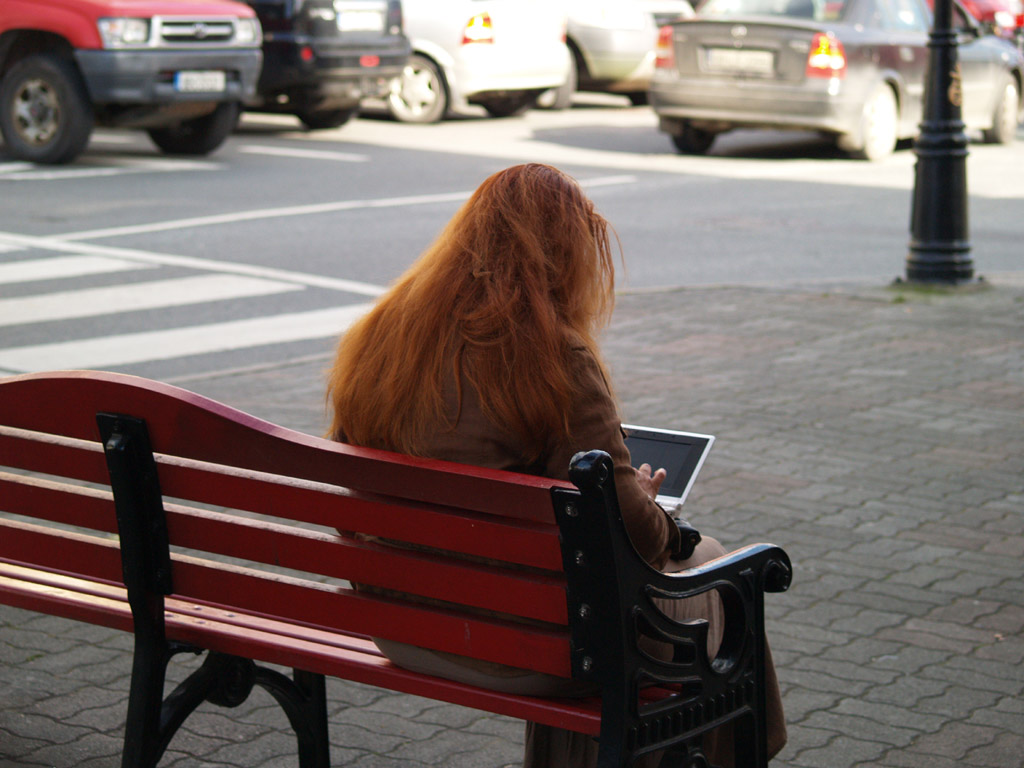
{"points": [[306, 154], [114, 167], [192, 262], [127, 349], [61, 267], [92, 302]]}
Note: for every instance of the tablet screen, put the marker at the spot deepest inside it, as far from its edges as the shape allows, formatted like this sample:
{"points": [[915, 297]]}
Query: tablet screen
{"points": [[681, 454]]}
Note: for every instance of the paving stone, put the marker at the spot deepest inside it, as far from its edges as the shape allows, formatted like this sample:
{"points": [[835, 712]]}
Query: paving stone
{"points": [[879, 443], [955, 740], [1006, 751], [841, 752]]}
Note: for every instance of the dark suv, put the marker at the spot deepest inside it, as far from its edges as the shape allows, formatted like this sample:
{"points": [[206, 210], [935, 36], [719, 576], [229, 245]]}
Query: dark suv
{"points": [[322, 57]]}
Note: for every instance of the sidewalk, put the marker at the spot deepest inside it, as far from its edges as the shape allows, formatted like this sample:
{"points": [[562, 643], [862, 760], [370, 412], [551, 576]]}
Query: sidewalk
{"points": [[877, 436]]}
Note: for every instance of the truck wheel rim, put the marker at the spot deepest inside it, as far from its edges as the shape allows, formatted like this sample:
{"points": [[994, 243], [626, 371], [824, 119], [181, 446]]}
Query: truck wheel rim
{"points": [[36, 112]]}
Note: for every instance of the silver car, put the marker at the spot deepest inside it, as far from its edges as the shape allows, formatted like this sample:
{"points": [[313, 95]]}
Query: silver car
{"points": [[852, 69], [612, 42], [498, 54]]}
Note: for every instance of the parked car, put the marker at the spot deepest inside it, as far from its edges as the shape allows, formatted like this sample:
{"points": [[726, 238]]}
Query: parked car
{"points": [[853, 69], [499, 54], [1004, 17], [323, 57], [612, 44], [176, 70]]}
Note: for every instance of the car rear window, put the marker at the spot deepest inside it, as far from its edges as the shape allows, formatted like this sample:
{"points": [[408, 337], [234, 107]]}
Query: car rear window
{"points": [[819, 10]]}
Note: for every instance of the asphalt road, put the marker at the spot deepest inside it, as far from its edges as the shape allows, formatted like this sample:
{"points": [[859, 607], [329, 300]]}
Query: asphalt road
{"points": [[169, 267]]}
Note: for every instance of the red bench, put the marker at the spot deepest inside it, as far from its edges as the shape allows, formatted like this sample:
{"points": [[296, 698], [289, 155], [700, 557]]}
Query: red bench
{"points": [[228, 544]]}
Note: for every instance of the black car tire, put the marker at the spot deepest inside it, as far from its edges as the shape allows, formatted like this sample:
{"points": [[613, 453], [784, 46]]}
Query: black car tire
{"points": [[45, 112], [509, 106], [879, 127], [693, 141], [321, 119], [1004, 119], [419, 94], [200, 135]]}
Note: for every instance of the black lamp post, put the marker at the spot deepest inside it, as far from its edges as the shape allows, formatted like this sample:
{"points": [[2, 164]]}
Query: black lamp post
{"points": [[939, 249]]}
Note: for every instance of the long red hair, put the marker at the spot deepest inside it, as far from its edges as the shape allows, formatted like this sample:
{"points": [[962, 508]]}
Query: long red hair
{"points": [[521, 273]]}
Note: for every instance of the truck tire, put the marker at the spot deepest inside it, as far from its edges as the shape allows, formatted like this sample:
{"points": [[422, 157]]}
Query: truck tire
{"points": [[321, 119], [200, 135], [45, 113]]}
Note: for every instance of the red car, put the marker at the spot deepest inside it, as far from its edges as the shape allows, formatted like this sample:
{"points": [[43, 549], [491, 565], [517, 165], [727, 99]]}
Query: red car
{"points": [[1004, 17]]}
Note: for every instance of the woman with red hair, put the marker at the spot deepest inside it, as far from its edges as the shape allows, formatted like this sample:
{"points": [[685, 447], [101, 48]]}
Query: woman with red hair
{"points": [[485, 352]]}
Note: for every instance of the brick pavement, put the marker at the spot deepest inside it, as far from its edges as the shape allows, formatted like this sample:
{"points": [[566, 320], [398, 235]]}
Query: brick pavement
{"points": [[876, 435]]}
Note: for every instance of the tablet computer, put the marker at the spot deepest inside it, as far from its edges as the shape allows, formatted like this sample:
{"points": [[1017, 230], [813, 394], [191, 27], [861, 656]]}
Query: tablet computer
{"points": [[682, 455]]}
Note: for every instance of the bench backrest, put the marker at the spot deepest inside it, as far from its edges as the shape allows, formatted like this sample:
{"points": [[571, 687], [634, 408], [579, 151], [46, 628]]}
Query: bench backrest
{"points": [[535, 573], [289, 494]]}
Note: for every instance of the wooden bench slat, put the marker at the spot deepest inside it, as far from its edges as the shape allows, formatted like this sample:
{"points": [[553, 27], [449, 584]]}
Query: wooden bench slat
{"points": [[525, 542], [357, 660], [515, 592], [535, 596], [69, 552], [79, 605], [578, 714], [304, 602], [53, 455], [65, 403], [58, 502], [317, 605]]}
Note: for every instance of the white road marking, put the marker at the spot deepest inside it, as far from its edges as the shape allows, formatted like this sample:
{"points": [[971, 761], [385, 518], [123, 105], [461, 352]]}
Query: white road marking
{"points": [[304, 210], [307, 154], [109, 300], [112, 137], [58, 267], [114, 167], [192, 262], [15, 167], [131, 348]]}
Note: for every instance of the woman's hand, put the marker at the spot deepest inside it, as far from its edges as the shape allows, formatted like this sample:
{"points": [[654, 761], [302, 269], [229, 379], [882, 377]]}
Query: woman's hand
{"points": [[649, 481]]}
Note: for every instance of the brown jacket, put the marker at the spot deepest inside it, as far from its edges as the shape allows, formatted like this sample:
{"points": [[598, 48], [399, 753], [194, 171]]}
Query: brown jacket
{"points": [[593, 424]]}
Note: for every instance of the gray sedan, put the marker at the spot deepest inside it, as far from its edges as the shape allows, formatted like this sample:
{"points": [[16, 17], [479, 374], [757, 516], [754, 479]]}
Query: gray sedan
{"points": [[853, 69]]}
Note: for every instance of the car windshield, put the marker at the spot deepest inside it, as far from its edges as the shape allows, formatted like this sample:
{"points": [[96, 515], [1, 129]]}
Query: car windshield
{"points": [[819, 10]]}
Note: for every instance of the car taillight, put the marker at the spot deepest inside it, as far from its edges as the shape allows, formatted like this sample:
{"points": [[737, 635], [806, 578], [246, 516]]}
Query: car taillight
{"points": [[827, 57], [478, 30], [665, 56]]}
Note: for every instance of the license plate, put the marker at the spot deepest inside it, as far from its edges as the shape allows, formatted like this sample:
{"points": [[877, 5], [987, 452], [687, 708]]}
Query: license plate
{"points": [[360, 21], [740, 60], [213, 81]]}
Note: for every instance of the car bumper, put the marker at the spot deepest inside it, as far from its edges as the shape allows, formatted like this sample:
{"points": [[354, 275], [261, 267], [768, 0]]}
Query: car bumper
{"points": [[323, 72], [482, 68], [623, 59], [824, 105], [148, 77]]}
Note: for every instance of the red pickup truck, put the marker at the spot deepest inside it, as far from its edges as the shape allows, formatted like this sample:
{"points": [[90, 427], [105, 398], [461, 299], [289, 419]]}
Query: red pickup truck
{"points": [[179, 70]]}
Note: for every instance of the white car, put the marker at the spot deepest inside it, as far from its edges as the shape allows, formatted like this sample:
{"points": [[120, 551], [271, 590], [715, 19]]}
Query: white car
{"points": [[499, 54], [613, 42]]}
